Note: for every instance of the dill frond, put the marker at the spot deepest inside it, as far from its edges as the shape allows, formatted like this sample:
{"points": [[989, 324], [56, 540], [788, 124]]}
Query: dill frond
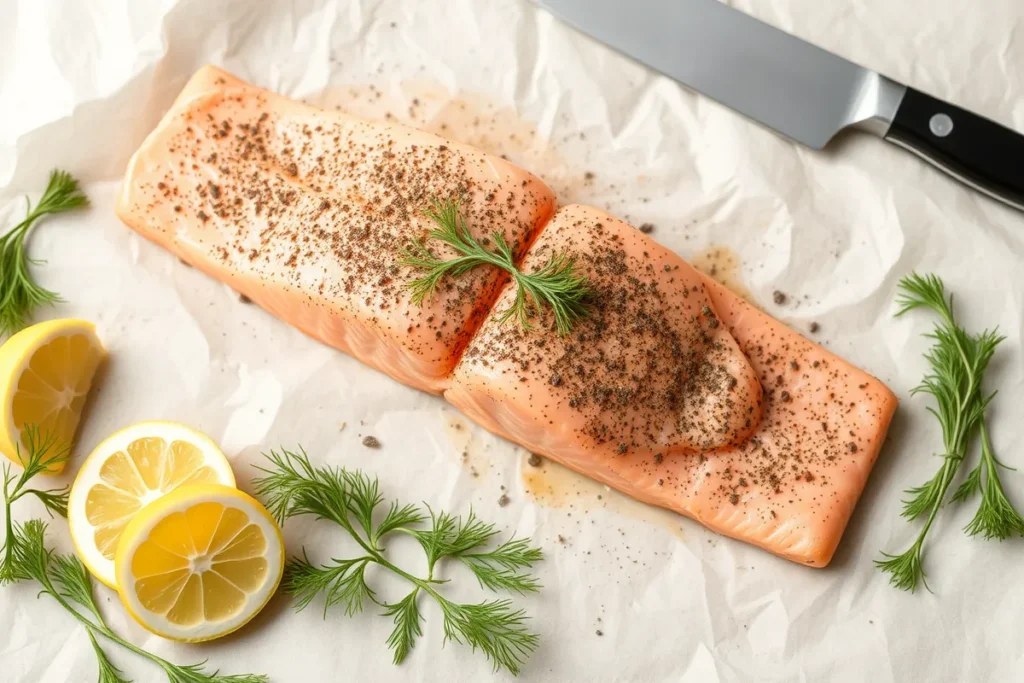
{"points": [[408, 625], [20, 296], [557, 284]]}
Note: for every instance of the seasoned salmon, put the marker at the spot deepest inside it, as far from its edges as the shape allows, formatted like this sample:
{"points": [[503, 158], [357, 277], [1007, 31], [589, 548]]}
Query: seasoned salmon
{"points": [[601, 400], [672, 389], [651, 371], [306, 212]]}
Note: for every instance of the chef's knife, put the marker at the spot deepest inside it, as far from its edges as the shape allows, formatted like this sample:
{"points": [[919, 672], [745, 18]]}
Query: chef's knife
{"points": [[800, 90]]}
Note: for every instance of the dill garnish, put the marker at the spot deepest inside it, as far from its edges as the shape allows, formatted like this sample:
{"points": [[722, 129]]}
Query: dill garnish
{"points": [[958, 361], [20, 296], [292, 486], [557, 284]]}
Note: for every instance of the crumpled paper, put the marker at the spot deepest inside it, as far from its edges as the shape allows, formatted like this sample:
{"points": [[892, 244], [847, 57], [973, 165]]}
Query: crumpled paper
{"points": [[630, 593]]}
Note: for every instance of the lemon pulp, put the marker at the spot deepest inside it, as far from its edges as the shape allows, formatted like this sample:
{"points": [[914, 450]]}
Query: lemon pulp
{"points": [[51, 391], [148, 468], [199, 562], [46, 371]]}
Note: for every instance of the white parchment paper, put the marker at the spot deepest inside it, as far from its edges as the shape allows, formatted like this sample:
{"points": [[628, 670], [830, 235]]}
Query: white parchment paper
{"points": [[83, 81]]}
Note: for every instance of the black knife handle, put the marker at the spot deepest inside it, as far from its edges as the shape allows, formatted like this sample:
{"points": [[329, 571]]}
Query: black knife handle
{"points": [[971, 148]]}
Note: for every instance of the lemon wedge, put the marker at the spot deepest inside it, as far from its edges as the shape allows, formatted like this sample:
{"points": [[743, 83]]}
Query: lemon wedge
{"points": [[129, 470], [46, 371], [199, 563]]}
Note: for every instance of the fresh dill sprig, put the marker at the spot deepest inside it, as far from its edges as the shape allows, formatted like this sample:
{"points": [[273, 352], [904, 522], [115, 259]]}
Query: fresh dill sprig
{"points": [[43, 453], [20, 296], [492, 626], [290, 486], [958, 361], [557, 284]]}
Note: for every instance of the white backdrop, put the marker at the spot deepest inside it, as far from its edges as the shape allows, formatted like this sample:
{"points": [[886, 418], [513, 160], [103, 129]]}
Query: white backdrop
{"points": [[83, 81]]}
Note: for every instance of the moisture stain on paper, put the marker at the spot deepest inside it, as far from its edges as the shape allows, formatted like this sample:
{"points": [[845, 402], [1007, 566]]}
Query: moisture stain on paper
{"points": [[722, 264], [460, 435], [554, 486]]}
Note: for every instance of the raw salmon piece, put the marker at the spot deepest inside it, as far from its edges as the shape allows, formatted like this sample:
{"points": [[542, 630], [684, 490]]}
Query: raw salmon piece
{"points": [[790, 488], [650, 371], [306, 212]]}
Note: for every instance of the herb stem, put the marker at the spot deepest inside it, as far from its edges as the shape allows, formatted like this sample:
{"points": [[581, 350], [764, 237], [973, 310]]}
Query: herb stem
{"points": [[7, 564], [371, 549], [376, 555], [100, 627]]}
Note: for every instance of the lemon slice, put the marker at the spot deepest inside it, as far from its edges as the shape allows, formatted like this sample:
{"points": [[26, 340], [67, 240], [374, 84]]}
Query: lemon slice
{"points": [[128, 470], [46, 371], [199, 563]]}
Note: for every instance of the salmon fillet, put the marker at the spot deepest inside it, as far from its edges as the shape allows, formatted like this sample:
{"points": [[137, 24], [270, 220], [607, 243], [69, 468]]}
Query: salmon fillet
{"points": [[650, 371], [306, 213], [788, 485], [673, 390]]}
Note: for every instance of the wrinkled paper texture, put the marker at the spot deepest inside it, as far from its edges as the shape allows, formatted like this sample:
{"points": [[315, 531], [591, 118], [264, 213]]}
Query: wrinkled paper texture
{"points": [[630, 593]]}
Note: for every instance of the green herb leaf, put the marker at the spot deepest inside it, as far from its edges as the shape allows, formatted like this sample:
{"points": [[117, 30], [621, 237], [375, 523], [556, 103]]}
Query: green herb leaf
{"points": [[397, 518], [42, 453], [499, 569], [294, 487], [11, 571], [363, 496], [557, 284], [452, 537], [970, 487], [193, 673], [996, 516], [494, 627], [435, 541], [343, 582], [20, 296], [906, 570], [72, 581], [408, 622]]}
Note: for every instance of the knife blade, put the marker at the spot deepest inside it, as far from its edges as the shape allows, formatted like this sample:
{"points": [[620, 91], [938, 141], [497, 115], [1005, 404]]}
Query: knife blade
{"points": [[798, 89]]}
